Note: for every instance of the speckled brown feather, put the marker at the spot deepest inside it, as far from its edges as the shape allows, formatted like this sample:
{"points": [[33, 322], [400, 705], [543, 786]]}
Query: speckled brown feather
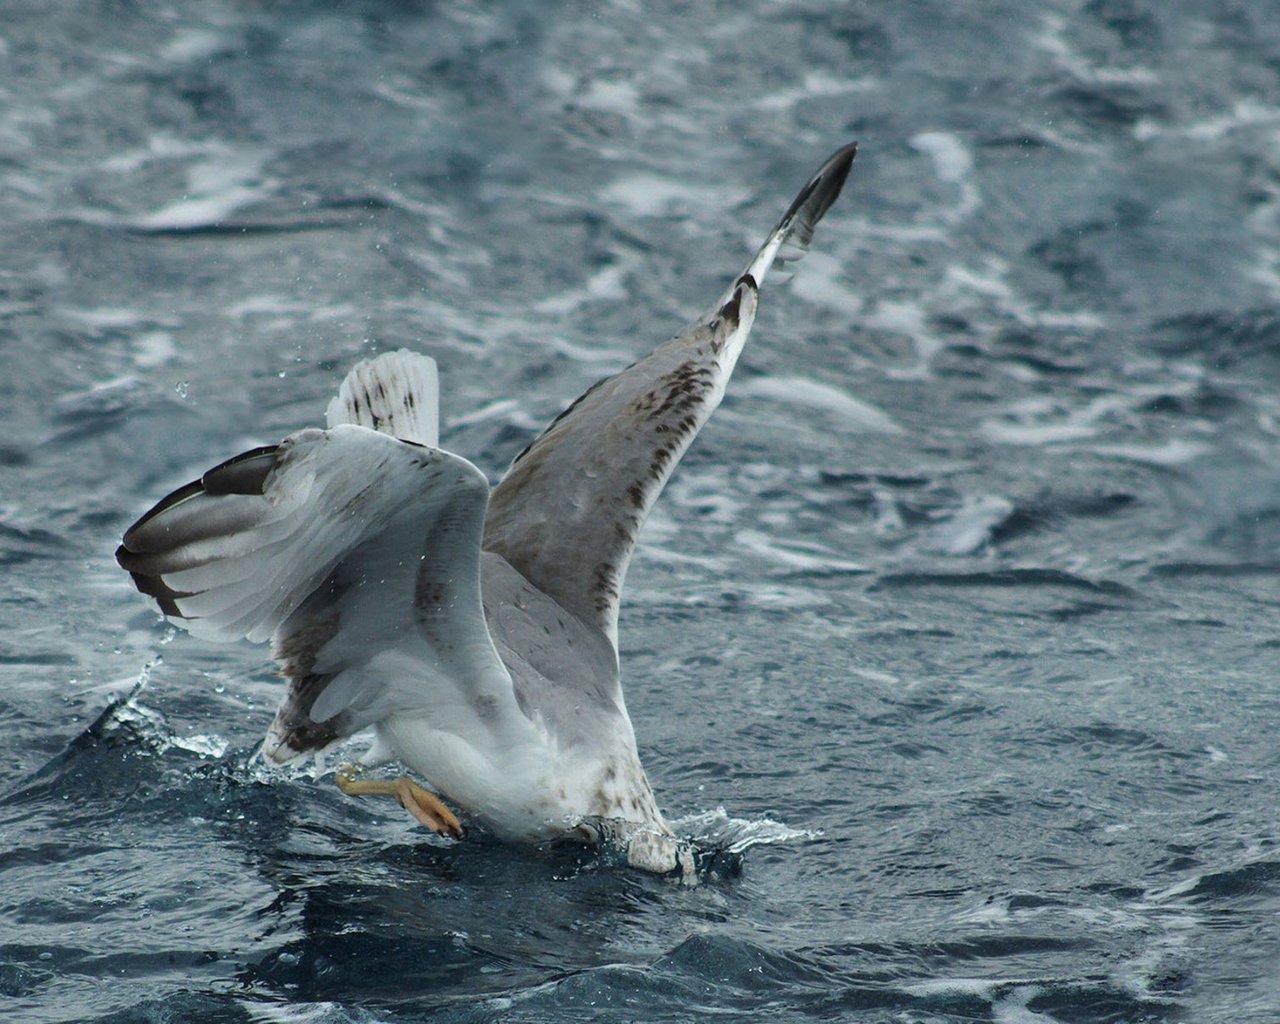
{"points": [[570, 508]]}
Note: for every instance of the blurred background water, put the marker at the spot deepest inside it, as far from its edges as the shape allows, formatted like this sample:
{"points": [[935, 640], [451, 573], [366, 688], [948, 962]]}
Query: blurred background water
{"points": [[969, 591]]}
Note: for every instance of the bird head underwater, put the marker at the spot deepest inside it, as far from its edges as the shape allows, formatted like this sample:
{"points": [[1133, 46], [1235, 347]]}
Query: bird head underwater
{"points": [[472, 630]]}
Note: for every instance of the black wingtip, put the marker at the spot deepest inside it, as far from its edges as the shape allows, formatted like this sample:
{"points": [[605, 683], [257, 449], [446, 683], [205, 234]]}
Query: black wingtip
{"points": [[163, 505], [822, 190], [245, 473], [163, 594]]}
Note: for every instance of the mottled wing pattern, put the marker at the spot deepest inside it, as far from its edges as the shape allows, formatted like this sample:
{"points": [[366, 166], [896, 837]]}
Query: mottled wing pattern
{"points": [[396, 393], [568, 511], [358, 554]]}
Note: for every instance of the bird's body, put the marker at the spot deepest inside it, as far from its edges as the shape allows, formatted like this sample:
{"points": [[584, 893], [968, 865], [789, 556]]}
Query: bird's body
{"points": [[568, 756], [473, 632]]}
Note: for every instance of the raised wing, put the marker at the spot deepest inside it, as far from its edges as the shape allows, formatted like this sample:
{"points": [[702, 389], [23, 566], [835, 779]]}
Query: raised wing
{"points": [[357, 553], [568, 511]]}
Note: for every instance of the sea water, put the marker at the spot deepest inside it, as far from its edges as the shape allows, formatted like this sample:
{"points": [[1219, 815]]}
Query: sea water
{"points": [[956, 631]]}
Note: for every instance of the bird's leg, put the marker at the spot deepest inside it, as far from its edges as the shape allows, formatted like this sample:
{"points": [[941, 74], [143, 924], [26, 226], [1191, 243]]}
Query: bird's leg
{"points": [[426, 807]]}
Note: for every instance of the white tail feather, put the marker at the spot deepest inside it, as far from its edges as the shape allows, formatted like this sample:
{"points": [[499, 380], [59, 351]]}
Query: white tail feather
{"points": [[396, 393]]}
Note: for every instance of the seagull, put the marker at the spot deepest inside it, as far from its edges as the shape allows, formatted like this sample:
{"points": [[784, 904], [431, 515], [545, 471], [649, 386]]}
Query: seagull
{"points": [[473, 630]]}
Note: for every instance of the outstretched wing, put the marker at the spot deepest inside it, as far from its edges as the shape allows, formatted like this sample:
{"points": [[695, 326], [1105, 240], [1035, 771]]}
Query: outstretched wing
{"points": [[568, 511], [358, 553]]}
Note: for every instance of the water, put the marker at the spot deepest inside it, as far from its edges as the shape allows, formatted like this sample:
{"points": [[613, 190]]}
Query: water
{"points": [[966, 600]]}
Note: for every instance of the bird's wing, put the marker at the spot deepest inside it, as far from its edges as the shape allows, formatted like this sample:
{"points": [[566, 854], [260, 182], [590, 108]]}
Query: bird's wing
{"points": [[358, 554], [568, 511]]}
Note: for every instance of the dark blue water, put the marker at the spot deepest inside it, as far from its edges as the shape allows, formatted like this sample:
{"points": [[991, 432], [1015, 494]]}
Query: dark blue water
{"points": [[967, 600]]}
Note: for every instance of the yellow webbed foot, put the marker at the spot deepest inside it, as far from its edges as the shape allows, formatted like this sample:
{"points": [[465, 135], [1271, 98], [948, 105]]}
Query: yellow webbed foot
{"points": [[425, 806]]}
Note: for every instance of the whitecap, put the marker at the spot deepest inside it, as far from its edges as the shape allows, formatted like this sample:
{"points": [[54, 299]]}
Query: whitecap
{"points": [[1011, 1008], [816, 84], [824, 283], [952, 164], [1052, 40], [608, 284], [816, 395], [805, 557], [970, 528], [192, 44], [648, 195], [200, 211], [1171, 453]]}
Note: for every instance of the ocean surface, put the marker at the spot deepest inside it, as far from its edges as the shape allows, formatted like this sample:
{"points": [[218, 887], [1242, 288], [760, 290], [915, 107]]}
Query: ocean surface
{"points": [[957, 632]]}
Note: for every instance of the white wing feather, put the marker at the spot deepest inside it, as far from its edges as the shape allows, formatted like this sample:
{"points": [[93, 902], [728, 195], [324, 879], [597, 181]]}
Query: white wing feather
{"points": [[357, 553]]}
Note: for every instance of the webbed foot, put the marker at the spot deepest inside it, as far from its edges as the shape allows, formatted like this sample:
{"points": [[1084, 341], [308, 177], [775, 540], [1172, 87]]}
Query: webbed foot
{"points": [[425, 806]]}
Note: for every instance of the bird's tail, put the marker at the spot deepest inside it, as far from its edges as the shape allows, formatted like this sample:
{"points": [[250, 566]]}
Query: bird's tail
{"points": [[396, 393]]}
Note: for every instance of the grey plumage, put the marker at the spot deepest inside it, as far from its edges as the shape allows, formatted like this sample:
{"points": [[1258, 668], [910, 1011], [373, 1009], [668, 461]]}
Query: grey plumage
{"points": [[475, 632]]}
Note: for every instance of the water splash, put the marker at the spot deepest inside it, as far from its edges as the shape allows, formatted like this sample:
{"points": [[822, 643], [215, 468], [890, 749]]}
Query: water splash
{"points": [[129, 721], [704, 847], [716, 830]]}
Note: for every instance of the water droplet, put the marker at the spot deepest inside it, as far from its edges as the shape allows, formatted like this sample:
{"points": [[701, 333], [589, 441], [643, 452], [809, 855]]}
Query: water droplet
{"points": [[182, 387]]}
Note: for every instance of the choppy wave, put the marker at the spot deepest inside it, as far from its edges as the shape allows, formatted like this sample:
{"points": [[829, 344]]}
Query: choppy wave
{"points": [[961, 612]]}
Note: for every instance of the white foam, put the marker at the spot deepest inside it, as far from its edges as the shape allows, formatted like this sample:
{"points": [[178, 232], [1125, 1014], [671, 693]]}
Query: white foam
{"points": [[202, 211], [288, 311], [989, 911], [951, 161], [969, 529], [873, 676], [217, 188], [816, 395], [709, 492], [504, 408], [907, 319], [808, 557], [1011, 1008], [648, 195], [404, 92], [589, 354], [107, 317], [735, 835], [1040, 421], [990, 281], [952, 164], [1032, 434], [888, 518], [1172, 453], [301, 1013], [980, 988], [1172, 892], [605, 285], [1246, 114], [153, 348], [816, 84], [191, 44], [159, 147], [621, 96], [822, 282], [201, 744], [1266, 271], [1052, 40]]}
